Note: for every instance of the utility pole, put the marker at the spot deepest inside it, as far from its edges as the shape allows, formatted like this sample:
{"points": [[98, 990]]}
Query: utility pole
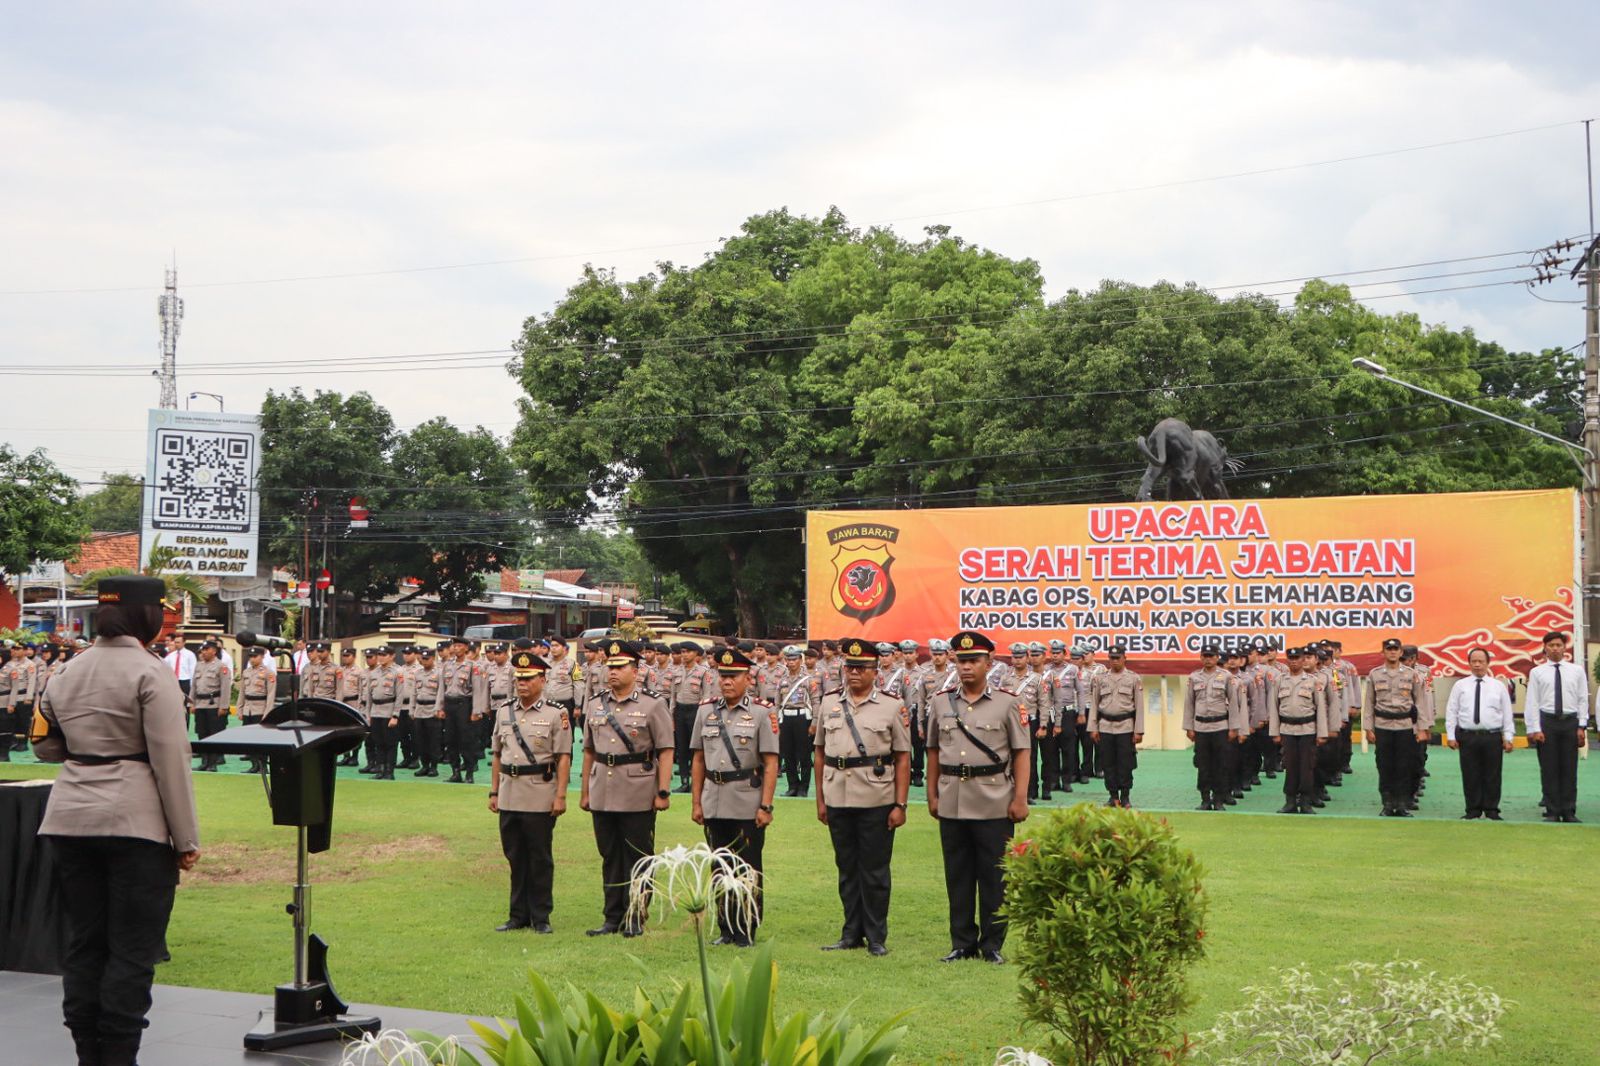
{"points": [[170, 309], [1591, 431]]}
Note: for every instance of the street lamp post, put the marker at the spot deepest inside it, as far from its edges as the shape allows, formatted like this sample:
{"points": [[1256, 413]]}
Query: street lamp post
{"points": [[1588, 466], [215, 396]]}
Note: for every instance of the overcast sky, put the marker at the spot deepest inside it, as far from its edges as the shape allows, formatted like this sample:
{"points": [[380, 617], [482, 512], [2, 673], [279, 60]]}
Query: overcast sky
{"points": [[273, 141]]}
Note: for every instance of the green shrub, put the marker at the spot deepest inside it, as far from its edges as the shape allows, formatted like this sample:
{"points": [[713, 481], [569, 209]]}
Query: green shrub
{"points": [[1394, 1011], [577, 1029], [1106, 911]]}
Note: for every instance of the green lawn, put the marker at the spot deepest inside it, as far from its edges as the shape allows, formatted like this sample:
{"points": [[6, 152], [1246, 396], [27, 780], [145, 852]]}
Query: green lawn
{"points": [[414, 885]]}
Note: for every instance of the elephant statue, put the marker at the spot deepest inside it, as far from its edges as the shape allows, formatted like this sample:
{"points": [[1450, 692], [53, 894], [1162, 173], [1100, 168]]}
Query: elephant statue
{"points": [[1192, 460]]}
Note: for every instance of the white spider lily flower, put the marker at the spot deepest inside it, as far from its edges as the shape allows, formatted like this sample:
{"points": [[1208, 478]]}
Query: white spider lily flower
{"points": [[1017, 1056], [394, 1047], [695, 879]]}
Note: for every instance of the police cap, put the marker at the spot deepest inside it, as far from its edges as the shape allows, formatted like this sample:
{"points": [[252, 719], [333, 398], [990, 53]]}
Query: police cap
{"points": [[132, 590], [525, 665], [970, 644], [858, 652], [1058, 645], [1211, 649], [621, 653], [732, 661]]}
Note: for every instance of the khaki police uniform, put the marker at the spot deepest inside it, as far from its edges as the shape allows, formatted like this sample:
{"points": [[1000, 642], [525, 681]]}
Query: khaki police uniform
{"points": [[120, 811], [1116, 712], [210, 694], [383, 690], [734, 743], [799, 695], [624, 740], [427, 716], [531, 751], [1214, 711], [18, 690], [1393, 700], [698, 684], [972, 755], [320, 679], [1298, 716], [464, 703], [858, 788]]}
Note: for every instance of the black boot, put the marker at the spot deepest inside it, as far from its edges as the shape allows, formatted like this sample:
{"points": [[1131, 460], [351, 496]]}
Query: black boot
{"points": [[454, 778], [119, 1052], [5, 751], [88, 1049]]}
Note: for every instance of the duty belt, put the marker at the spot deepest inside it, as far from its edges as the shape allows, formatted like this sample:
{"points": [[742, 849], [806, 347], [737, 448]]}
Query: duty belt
{"points": [[389, 700], [1211, 718], [724, 777], [1117, 717], [628, 759], [968, 772], [1396, 715], [548, 769], [107, 760], [796, 712], [851, 762], [1307, 720]]}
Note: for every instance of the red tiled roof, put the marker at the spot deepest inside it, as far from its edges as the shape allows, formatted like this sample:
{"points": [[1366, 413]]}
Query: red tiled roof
{"points": [[510, 583], [106, 549]]}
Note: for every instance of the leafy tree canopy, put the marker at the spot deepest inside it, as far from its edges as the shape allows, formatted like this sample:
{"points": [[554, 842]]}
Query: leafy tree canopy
{"points": [[41, 516], [117, 505]]}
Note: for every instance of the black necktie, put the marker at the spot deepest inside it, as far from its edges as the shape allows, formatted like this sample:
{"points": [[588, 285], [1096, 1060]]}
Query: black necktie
{"points": [[1477, 702], [1555, 671]]}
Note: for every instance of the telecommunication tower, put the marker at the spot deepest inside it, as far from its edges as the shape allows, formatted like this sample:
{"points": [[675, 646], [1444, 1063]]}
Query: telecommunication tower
{"points": [[170, 308]]}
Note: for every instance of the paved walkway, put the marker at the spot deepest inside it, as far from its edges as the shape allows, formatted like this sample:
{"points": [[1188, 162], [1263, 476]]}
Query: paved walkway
{"points": [[188, 1027]]}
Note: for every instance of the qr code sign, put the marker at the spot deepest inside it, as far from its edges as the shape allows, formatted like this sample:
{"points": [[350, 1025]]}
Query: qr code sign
{"points": [[203, 480]]}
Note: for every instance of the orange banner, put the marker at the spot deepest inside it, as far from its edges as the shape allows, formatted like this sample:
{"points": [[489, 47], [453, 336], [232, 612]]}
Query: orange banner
{"points": [[1445, 572]]}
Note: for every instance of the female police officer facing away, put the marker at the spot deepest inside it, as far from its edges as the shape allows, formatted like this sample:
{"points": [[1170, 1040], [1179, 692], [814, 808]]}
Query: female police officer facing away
{"points": [[121, 818]]}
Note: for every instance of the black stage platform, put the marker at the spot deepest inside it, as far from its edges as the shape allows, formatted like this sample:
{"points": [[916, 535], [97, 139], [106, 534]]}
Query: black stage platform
{"points": [[188, 1027]]}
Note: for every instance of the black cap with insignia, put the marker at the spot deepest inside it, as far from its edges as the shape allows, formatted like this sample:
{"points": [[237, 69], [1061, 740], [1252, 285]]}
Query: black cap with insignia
{"points": [[1117, 651], [621, 653], [130, 591], [1391, 643], [732, 661], [858, 652], [525, 664], [255, 651], [1210, 649], [970, 644]]}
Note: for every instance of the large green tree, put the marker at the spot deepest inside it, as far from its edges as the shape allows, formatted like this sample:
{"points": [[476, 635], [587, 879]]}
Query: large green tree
{"points": [[117, 505], [706, 407], [41, 516]]}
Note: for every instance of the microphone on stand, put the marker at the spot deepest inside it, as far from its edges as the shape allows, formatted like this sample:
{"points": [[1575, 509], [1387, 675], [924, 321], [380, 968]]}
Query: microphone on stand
{"points": [[249, 639]]}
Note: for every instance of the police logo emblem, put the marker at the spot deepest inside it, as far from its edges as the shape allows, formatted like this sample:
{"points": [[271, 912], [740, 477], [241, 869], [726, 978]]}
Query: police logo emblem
{"points": [[862, 586]]}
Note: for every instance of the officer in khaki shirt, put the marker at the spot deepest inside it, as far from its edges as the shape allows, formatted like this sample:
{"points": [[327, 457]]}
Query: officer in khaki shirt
{"points": [[978, 766], [1393, 695], [863, 769], [1214, 715], [697, 685], [383, 692], [497, 687], [210, 694], [464, 704], [1116, 723], [427, 712], [799, 694], [627, 765], [558, 680], [733, 776], [1298, 723], [258, 691], [120, 820], [320, 676], [18, 688], [530, 761]]}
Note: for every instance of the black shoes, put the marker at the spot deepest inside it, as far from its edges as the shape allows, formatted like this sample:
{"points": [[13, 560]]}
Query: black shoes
{"points": [[542, 928], [604, 930], [453, 779], [631, 930], [682, 789], [1289, 808], [469, 777], [877, 950], [1571, 819], [958, 954], [843, 945], [508, 926], [991, 955]]}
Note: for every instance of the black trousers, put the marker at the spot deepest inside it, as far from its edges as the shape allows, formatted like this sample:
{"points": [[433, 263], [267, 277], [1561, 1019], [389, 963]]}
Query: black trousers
{"points": [[683, 715], [1482, 758], [21, 719], [525, 838], [1088, 754], [428, 731], [919, 749], [576, 721], [382, 738], [407, 732], [460, 735], [623, 837], [1329, 760], [1397, 759], [1067, 747], [973, 848], [745, 839], [209, 721], [863, 846], [1036, 746], [795, 751], [1211, 763], [116, 895], [1558, 771], [1299, 766], [1116, 761]]}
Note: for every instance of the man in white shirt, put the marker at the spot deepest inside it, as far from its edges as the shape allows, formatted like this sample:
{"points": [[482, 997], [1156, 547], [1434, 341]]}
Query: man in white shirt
{"points": [[180, 660], [1556, 712], [1478, 722]]}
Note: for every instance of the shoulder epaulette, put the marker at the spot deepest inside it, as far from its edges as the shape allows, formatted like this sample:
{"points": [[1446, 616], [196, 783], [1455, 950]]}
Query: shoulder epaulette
{"points": [[1008, 691], [759, 702], [951, 687]]}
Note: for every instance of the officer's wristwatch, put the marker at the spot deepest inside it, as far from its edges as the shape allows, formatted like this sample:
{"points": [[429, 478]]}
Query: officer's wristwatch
{"points": [[662, 793], [765, 807], [902, 806]]}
